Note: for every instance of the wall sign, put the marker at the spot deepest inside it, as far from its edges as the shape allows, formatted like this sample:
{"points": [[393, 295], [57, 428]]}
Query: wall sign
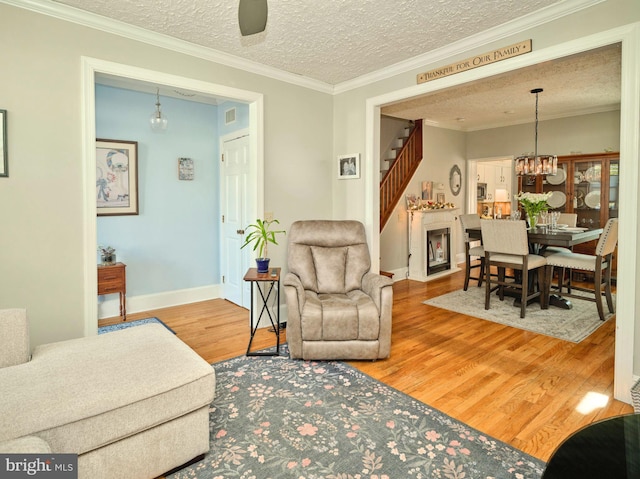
{"points": [[477, 61]]}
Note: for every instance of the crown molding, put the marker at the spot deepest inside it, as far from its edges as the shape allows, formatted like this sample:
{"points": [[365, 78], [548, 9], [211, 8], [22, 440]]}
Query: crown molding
{"points": [[514, 27], [98, 22], [116, 27]]}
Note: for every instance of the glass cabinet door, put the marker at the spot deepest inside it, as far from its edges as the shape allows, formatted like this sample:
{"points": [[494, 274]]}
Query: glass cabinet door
{"points": [[558, 186], [613, 188], [587, 193]]}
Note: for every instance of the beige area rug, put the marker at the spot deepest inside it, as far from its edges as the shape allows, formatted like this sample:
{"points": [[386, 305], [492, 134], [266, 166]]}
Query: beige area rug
{"points": [[573, 325]]}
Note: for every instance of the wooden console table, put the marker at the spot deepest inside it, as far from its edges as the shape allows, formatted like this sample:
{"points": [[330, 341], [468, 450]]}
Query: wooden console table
{"points": [[113, 279]]}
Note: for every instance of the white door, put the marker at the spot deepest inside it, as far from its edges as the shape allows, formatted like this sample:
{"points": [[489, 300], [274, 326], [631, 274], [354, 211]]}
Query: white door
{"points": [[234, 181]]}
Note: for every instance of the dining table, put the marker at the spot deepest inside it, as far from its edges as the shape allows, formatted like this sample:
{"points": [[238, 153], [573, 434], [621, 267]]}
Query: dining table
{"points": [[543, 236]]}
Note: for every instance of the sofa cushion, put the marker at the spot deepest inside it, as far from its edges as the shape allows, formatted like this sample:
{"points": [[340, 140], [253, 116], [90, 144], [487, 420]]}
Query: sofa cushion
{"points": [[339, 317], [25, 445], [82, 394], [14, 337]]}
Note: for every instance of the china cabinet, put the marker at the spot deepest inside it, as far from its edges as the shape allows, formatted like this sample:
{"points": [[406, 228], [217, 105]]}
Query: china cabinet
{"points": [[586, 185]]}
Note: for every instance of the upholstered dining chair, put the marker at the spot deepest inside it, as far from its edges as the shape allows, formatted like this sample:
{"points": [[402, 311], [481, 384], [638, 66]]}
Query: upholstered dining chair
{"points": [[506, 246], [472, 249], [571, 220], [600, 264], [336, 307]]}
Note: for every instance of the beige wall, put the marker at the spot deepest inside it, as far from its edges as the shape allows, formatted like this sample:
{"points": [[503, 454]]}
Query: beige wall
{"points": [[41, 240], [594, 22], [593, 133]]}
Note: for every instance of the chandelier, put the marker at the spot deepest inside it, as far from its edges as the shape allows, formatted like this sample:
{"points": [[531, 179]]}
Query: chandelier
{"points": [[536, 164], [158, 121]]}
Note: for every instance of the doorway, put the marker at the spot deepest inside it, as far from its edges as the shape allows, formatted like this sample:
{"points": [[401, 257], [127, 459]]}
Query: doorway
{"points": [[629, 149], [92, 67]]}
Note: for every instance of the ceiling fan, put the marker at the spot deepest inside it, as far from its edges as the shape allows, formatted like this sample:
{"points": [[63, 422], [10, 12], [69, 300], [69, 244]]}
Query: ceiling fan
{"points": [[252, 16]]}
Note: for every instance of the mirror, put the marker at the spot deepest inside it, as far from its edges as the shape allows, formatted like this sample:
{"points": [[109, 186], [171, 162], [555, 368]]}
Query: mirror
{"points": [[455, 180]]}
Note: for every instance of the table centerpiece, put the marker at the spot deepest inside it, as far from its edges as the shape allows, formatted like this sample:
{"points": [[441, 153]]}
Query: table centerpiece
{"points": [[533, 204]]}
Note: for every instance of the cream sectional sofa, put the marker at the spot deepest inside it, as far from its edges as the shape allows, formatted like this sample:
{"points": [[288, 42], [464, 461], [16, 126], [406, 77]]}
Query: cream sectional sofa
{"points": [[132, 403]]}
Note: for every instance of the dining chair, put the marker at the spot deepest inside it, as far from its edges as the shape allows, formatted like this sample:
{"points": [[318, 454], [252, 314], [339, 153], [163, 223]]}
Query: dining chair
{"points": [[571, 220], [600, 264], [506, 246], [473, 249]]}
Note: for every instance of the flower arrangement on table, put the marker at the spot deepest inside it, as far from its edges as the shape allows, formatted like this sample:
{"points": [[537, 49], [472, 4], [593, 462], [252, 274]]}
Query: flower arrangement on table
{"points": [[533, 204]]}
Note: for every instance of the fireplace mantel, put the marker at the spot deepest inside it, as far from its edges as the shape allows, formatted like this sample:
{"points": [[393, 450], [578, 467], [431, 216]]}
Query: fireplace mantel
{"points": [[420, 223]]}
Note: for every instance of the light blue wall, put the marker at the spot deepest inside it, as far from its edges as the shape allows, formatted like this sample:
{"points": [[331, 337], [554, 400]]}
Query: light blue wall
{"points": [[173, 243], [242, 117]]}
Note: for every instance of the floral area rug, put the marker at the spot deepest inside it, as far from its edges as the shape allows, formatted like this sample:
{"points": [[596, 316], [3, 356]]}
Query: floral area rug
{"points": [[130, 324], [274, 417], [573, 325]]}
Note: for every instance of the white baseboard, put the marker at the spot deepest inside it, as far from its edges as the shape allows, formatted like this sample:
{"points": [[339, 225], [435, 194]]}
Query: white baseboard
{"points": [[399, 274], [111, 307]]}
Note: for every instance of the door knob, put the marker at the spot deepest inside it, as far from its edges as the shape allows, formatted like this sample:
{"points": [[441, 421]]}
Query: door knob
{"points": [[240, 232]]}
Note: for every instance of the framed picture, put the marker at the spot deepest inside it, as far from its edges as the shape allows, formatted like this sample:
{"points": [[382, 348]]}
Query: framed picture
{"points": [[440, 197], [4, 155], [116, 177], [349, 166], [185, 169]]}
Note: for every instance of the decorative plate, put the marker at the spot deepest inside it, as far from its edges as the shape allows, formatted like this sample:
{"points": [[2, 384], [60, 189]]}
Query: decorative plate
{"points": [[557, 199], [592, 200], [558, 178]]}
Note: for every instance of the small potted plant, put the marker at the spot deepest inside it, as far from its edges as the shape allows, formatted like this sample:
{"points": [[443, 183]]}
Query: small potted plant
{"points": [[107, 254], [261, 234]]}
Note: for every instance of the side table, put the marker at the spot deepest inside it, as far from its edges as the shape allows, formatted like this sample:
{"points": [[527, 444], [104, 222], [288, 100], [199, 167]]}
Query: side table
{"points": [[271, 279], [112, 278]]}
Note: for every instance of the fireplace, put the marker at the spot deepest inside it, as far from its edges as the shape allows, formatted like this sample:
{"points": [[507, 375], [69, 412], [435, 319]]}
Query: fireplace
{"points": [[438, 250], [432, 243]]}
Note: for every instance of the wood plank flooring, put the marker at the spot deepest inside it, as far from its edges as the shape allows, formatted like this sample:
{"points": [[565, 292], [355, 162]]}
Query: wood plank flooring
{"points": [[519, 387]]}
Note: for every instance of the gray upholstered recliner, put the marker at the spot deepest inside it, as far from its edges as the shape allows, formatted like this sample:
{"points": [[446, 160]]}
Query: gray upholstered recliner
{"points": [[337, 308]]}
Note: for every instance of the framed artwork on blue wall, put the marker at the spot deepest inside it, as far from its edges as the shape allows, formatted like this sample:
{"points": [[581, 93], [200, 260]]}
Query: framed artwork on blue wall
{"points": [[4, 154], [116, 177]]}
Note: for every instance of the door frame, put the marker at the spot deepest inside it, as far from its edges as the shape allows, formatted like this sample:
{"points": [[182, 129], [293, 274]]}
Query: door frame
{"points": [[91, 67], [629, 37]]}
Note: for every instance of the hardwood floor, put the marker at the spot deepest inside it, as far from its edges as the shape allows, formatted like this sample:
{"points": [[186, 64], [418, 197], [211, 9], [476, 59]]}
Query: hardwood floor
{"points": [[519, 387]]}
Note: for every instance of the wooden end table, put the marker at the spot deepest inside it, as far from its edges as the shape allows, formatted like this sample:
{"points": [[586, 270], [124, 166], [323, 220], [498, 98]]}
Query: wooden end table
{"points": [[112, 278], [272, 281]]}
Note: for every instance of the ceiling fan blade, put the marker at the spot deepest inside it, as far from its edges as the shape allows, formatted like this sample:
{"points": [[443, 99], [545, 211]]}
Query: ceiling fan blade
{"points": [[252, 16]]}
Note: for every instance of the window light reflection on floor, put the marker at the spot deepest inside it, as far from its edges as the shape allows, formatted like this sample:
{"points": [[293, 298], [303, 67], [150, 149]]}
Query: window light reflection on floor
{"points": [[592, 401]]}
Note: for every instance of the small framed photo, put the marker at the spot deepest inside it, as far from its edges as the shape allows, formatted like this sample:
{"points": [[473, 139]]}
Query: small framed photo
{"points": [[185, 169], [116, 177], [4, 154], [440, 197], [349, 166]]}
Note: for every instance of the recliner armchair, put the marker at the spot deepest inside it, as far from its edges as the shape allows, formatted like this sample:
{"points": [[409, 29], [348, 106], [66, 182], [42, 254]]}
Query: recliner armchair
{"points": [[337, 308]]}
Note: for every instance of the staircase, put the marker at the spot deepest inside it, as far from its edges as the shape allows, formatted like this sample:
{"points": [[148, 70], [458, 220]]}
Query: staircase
{"points": [[401, 170]]}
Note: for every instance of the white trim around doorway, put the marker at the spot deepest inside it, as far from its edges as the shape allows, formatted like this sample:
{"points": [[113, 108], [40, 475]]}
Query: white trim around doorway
{"points": [[90, 68], [628, 283]]}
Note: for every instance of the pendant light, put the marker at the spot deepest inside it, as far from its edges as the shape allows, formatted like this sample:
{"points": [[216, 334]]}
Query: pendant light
{"points": [[158, 121], [537, 164]]}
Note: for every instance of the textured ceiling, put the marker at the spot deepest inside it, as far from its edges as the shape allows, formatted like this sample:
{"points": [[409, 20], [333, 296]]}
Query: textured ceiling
{"points": [[328, 40], [573, 85], [338, 41]]}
